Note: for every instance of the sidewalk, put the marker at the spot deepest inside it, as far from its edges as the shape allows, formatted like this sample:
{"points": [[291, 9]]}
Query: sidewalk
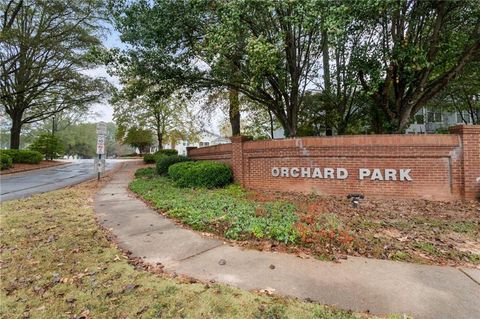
{"points": [[379, 286]]}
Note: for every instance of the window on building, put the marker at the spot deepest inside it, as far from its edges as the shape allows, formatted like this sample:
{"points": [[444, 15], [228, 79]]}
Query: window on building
{"points": [[434, 117], [202, 144], [419, 119]]}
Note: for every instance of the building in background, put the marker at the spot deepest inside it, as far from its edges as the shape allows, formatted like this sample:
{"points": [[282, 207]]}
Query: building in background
{"points": [[429, 121], [205, 138]]}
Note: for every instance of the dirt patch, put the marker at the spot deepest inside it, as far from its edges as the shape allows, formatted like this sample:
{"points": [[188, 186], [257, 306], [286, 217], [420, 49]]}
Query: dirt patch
{"points": [[432, 232], [18, 167]]}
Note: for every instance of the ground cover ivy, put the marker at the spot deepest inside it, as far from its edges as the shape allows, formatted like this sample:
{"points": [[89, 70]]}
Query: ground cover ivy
{"points": [[226, 210], [328, 228]]}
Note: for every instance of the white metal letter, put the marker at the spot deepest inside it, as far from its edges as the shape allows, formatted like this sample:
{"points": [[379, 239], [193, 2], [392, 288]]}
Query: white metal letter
{"points": [[342, 173], [377, 175], [275, 171], [317, 173], [404, 174], [305, 172], [294, 172], [390, 174], [363, 172], [328, 173]]}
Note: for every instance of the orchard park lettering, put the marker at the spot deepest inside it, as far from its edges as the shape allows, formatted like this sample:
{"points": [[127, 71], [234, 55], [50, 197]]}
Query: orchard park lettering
{"points": [[375, 174]]}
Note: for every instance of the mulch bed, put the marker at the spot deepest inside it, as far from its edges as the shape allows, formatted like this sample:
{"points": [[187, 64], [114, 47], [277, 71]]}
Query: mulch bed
{"points": [[422, 231]]}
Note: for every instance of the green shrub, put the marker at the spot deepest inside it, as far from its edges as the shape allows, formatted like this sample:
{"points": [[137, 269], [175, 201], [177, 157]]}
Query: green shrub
{"points": [[178, 170], [155, 157], [23, 156], [201, 174], [165, 162], [167, 152], [5, 161], [29, 157], [146, 172], [149, 158], [48, 145]]}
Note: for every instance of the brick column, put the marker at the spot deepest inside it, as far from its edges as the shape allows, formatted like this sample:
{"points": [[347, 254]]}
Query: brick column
{"points": [[470, 136], [237, 158]]}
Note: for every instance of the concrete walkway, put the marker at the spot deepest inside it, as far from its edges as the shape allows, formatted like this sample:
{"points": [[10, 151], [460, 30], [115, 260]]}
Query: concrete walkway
{"points": [[378, 286]]}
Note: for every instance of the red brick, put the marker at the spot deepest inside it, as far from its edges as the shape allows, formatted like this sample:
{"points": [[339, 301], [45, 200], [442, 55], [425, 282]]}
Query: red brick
{"points": [[444, 166]]}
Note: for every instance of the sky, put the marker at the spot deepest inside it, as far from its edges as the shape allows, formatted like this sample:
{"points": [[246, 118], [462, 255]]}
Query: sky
{"points": [[104, 111]]}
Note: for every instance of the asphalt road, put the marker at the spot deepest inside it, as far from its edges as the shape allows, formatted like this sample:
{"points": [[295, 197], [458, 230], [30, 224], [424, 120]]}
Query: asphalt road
{"points": [[44, 180]]}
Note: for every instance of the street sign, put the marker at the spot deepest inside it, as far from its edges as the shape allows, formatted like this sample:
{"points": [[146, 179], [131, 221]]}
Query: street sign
{"points": [[99, 164], [101, 144], [100, 149]]}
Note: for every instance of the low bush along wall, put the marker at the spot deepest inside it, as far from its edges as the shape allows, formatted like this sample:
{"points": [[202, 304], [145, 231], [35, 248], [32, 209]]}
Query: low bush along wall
{"points": [[165, 162], [153, 158], [200, 174], [5, 161], [23, 156], [443, 166]]}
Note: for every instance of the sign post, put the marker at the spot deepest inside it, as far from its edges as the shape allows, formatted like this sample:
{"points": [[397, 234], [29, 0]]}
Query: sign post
{"points": [[100, 158]]}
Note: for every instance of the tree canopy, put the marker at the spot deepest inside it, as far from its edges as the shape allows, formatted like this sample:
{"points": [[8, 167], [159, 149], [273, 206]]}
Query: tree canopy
{"points": [[387, 57], [411, 50], [45, 47]]}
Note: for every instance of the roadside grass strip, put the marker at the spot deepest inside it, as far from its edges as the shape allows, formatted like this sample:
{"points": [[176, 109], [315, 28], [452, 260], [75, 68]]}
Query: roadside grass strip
{"points": [[56, 262]]}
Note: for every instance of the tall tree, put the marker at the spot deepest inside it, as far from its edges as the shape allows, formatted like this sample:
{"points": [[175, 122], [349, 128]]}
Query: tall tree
{"points": [[267, 50], [45, 46], [167, 116], [339, 104], [462, 95], [139, 138], [411, 50]]}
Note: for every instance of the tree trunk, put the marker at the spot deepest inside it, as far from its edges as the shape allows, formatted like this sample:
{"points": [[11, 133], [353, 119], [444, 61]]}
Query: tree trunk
{"points": [[271, 123], [15, 132], [234, 111], [160, 140], [290, 127], [326, 79], [376, 120]]}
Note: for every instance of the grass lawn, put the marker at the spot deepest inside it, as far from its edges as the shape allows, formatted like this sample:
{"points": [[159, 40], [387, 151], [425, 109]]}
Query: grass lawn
{"points": [[443, 233], [56, 262]]}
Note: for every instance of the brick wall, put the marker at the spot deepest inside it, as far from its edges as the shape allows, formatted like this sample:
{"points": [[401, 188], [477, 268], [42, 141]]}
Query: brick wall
{"points": [[442, 167], [220, 153]]}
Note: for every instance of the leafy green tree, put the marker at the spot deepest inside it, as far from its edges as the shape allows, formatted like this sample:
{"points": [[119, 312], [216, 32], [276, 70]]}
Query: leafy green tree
{"points": [[266, 50], [411, 50], [166, 115], [48, 145], [79, 140], [462, 95], [139, 138], [45, 46]]}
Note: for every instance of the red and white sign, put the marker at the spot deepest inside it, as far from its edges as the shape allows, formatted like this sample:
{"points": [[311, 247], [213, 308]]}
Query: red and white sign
{"points": [[101, 144]]}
